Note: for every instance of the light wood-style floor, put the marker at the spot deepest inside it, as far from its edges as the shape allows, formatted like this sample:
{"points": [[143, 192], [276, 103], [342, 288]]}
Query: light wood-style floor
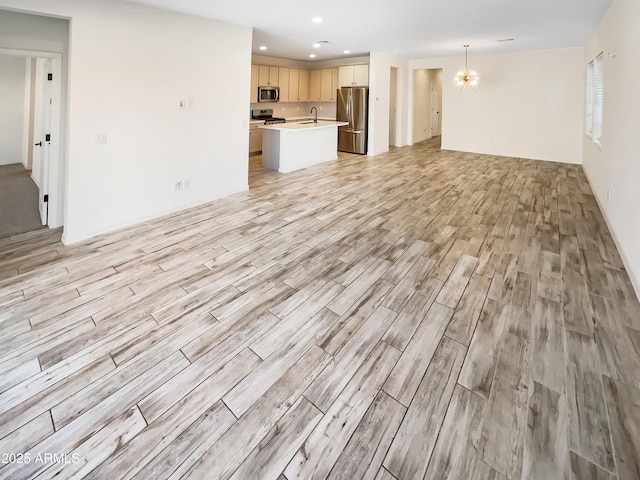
{"points": [[421, 314]]}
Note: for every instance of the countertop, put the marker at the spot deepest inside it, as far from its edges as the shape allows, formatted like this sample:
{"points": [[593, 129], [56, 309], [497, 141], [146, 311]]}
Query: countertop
{"points": [[303, 125]]}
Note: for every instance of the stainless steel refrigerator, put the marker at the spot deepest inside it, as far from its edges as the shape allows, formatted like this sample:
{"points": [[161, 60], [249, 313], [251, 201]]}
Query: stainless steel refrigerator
{"points": [[353, 107]]}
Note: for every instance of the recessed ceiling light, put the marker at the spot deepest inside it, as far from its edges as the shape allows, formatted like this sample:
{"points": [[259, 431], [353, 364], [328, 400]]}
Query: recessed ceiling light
{"points": [[505, 40], [316, 45], [316, 20], [347, 51], [262, 47], [312, 55]]}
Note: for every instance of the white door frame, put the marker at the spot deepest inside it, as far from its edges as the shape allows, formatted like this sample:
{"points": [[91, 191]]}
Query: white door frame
{"points": [[55, 184]]}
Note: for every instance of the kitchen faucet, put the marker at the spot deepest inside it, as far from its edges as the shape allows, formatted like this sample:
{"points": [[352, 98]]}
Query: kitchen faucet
{"points": [[315, 118]]}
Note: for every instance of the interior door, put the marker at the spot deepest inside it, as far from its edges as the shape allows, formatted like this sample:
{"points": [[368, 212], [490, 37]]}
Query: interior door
{"points": [[41, 134], [435, 109]]}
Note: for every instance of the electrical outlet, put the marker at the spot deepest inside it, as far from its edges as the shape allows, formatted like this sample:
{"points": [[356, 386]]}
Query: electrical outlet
{"points": [[183, 103], [178, 185], [186, 183], [100, 138]]}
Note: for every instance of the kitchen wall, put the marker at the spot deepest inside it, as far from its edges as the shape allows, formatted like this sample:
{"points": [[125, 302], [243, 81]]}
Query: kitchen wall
{"points": [[614, 168], [130, 65], [299, 109], [528, 104], [12, 106]]}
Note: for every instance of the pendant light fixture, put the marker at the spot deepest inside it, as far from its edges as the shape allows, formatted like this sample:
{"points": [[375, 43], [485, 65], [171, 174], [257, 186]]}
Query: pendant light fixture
{"points": [[466, 77]]}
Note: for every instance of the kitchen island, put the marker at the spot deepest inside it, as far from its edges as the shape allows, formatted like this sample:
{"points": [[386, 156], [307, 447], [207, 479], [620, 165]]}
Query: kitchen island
{"points": [[290, 146]]}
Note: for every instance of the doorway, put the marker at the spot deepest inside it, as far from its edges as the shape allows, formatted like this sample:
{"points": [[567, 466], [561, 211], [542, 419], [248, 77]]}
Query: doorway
{"points": [[31, 167], [427, 104]]}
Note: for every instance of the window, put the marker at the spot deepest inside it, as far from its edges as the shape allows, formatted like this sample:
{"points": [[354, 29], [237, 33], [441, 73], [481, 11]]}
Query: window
{"points": [[589, 126], [595, 94]]}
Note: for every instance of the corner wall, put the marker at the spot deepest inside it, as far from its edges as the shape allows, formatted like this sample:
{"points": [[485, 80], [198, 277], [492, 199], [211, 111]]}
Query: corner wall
{"points": [[379, 99], [615, 167], [129, 67], [528, 104]]}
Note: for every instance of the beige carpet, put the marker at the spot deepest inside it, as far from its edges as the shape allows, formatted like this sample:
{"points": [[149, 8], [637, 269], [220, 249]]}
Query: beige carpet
{"points": [[18, 201]]}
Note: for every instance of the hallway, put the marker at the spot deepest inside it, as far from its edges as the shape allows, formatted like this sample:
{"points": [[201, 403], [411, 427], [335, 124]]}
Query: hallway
{"points": [[18, 201]]}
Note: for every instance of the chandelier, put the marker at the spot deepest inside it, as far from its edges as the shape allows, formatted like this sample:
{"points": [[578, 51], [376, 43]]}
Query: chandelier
{"points": [[466, 77]]}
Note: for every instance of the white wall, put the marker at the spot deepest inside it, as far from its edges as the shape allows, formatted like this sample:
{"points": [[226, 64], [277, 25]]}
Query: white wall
{"points": [[616, 165], [12, 102], [379, 90], [129, 67], [528, 104]]}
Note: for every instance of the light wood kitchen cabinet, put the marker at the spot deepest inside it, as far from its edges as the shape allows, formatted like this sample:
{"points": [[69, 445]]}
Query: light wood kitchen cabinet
{"points": [[315, 85], [254, 84], [298, 85], [283, 83], [268, 76], [354, 76], [323, 85], [330, 84], [255, 138], [303, 86]]}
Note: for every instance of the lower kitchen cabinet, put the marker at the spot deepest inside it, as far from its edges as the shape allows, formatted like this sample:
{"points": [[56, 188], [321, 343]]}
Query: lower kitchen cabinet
{"points": [[255, 138]]}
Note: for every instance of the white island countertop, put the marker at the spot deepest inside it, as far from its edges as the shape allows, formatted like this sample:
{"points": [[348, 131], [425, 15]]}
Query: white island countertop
{"points": [[303, 125], [293, 145]]}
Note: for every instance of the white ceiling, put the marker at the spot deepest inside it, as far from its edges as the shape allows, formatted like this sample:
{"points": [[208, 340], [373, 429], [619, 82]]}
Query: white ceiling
{"points": [[409, 28]]}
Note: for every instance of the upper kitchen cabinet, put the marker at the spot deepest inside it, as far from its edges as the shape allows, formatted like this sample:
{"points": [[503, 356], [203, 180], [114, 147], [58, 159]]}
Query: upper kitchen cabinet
{"points": [[354, 76], [324, 84], [268, 76], [315, 85], [283, 81], [298, 85], [254, 84], [330, 84]]}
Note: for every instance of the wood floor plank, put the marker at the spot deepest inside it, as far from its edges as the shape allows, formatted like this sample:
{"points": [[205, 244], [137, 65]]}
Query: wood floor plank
{"points": [[321, 450], [548, 348], [351, 322], [589, 432], [480, 363], [504, 421], [546, 450], [327, 387], [411, 450], [99, 446], [466, 316], [176, 458], [407, 321], [454, 455], [273, 453], [228, 453], [406, 376], [363, 455], [583, 469], [128, 460], [623, 405]]}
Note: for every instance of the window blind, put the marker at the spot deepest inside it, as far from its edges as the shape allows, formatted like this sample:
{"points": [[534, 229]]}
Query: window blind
{"points": [[598, 94], [589, 113]]}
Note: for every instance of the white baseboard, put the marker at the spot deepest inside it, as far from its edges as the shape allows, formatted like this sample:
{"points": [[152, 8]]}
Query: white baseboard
{"points": [[69, 238], [635, 282]]}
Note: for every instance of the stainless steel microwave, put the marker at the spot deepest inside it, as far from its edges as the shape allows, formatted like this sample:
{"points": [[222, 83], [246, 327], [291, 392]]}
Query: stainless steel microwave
{"points": [[268, 94]]}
